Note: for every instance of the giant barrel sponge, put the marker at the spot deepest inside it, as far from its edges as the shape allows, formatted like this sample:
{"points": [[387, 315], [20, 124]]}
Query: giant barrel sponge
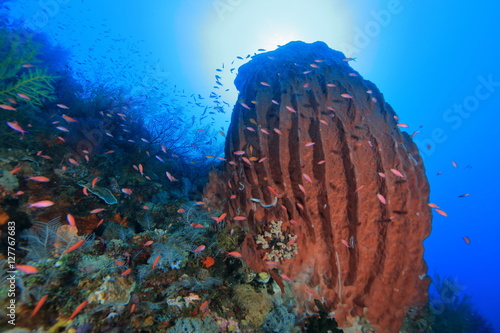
{"points": [[331, 193]]}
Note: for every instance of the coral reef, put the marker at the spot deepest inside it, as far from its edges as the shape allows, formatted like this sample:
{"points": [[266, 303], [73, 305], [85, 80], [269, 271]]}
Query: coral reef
{"points": [[255, 306], [313, 144], [281, 245]]}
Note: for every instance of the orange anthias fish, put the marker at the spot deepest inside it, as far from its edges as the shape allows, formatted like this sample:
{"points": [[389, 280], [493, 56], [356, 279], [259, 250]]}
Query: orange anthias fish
{"points": [[28, 269], [71, 220], [39, 179], [170, 177], [127, 191], [7, 107], [381, 198], [73, 161], [41, 204], [235, 254], [75, 246], [39, 305], [94, 181], [155, 262], [397, 173], [467, 240], [78, 309], [69, 119], [15, 126], [15, 170], [439, 211], [199, 249]]}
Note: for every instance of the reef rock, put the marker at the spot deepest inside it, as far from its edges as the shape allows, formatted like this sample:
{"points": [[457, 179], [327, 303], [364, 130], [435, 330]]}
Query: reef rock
{"points": [[315, 146]]}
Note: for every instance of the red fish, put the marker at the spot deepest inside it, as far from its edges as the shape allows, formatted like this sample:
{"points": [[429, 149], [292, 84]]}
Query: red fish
{"points": [[74, 246], [15, 126], [467, 240], [381, 198], [94, 181], [235, 254], [119, 263], [72, 161], [148, 243], [61, 128], [126, 272], [23, 96], [170, 177], [199, 249], [39, 305], [306, 177], [220, 218], [439, 211], [397, 173], [97, 210], [346, 244], [127, 191], [155, 262], [41, 204], [239, 152], [359, 188], [197, 225], [7, 107], [71, 220], [246, 160], [346, 95], [265, 84], [69, 119], [28, 269], [15, 170], [39, 179], [239, 218], [62, 106], [78, 309], [289, 108]]}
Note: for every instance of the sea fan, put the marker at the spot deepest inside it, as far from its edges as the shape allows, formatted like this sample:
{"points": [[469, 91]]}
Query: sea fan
{"points": [[45, 239], [41, 238], [173, 253], [15, 79], [147, 222]]}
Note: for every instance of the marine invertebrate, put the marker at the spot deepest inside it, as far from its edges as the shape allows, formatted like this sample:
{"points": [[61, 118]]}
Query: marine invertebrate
{"points": [[310, 133], [255, 305], [101, 192], [115, 291], [282, 245], [8, 181], [20, 79]]}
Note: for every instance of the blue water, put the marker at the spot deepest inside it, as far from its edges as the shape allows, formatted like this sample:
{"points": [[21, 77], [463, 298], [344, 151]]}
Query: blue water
{"points": [[435, 62]]}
